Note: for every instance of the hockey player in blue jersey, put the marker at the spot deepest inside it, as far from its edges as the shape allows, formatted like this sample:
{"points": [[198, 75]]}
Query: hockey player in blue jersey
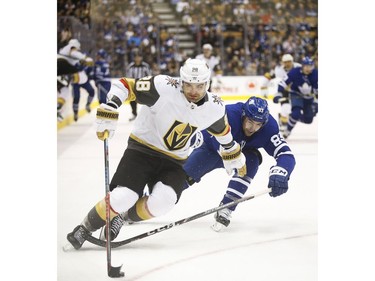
{"points": [[302, 84], [253, 128], [102, 75], [82, 80]]}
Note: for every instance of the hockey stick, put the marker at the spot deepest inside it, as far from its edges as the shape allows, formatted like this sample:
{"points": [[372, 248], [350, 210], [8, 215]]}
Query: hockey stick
{"points": [[102, 243], [113, 271]]}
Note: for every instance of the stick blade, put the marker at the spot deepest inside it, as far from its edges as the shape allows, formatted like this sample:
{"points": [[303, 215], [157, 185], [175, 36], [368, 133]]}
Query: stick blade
{"points": [[115, 271]]}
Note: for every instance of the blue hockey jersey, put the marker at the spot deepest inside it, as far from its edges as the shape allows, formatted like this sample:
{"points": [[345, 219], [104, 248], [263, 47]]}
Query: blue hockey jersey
{"points": [[102, 71], [300, 84], [267, 137]]}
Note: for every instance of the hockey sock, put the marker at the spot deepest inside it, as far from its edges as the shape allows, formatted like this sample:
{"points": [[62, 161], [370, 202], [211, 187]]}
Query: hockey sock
{"points": [[139, 211], [291, 123], [236, 190], [60, 103], [96, 218]]}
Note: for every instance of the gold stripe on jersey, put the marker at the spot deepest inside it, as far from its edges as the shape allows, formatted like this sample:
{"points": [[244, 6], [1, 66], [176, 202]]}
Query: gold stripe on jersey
{"points": [[129, 84], [100, 209], [156, 149], [178, 135], [142, 209]]}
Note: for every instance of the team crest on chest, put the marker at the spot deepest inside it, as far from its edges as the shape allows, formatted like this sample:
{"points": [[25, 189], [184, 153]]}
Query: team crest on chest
{"points": [[178, 135], [172, 82]]}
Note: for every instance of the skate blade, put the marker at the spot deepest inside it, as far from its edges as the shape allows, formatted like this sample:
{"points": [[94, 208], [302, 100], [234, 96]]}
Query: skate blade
{"points": [[218, 227]]}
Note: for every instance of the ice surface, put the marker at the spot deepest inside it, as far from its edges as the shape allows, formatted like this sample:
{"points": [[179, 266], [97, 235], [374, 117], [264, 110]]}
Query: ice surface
{"points": [[268, 239]]}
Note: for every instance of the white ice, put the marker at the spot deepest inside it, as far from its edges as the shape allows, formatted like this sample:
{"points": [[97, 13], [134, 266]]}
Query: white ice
{"points": [[268, 239]]}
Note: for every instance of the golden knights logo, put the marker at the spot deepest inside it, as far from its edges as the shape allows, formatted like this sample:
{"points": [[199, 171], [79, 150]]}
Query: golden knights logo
{"points": [[217, 99], [172, 82], [178, 135]]}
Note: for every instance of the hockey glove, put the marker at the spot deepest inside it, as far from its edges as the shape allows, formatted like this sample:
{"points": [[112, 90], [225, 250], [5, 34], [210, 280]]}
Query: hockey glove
{"points": [[87, 62], [281, 98], [233, 158], [277, 98], [106, 121], [278, 181]]}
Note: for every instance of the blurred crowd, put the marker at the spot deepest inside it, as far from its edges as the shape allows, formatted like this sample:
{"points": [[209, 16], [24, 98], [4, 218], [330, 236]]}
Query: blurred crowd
{"points": [[248, 36], [79, 9]]}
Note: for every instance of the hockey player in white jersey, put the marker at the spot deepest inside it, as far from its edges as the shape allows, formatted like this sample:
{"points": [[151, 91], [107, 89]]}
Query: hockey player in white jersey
{"points": [[212, 61], [280, 73], [175, 110], [69, 60]]}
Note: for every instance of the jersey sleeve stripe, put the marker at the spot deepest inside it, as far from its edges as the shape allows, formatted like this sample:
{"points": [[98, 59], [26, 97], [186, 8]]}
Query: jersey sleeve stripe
{"points": [[284, 153], [129, 85], [278, 149]]}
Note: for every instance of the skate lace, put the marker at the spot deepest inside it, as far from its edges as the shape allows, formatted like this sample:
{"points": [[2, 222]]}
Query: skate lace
{"points": [[116, 225]]}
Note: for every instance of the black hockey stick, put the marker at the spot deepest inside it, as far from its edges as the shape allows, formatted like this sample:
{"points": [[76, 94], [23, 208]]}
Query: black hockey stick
{"points": [[102, 243], [113, 271]]}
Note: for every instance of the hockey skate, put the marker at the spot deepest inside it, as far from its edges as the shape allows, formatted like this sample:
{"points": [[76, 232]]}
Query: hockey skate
{"points": [[75, 116], [116, 224], [283, 123], [78, 236], [88, 108], [60, 118], [286, 133], [222, 218]]}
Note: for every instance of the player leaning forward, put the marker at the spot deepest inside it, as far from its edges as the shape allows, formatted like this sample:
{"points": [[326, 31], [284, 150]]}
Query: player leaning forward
{"points": [[159, 143]]}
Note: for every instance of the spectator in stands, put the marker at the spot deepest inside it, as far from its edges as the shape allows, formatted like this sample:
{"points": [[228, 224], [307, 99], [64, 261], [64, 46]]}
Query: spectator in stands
{"points": [[63, 38], [218, 21], [172, 68]]}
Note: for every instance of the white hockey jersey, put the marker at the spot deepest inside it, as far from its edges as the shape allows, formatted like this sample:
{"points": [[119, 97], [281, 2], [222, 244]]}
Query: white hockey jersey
{"points": [[73, 57], [168, 121], [280, 71], [281, 74], [212, 62], [275, 76]]}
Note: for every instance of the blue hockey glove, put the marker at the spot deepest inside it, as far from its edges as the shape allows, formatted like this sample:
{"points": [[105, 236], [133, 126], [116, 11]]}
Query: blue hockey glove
{"points": [[278, 181]]}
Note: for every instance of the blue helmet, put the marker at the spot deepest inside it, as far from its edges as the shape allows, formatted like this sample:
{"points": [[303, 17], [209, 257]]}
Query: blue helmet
{"points": [[307, 61], [102, 53], [256, 109]]}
